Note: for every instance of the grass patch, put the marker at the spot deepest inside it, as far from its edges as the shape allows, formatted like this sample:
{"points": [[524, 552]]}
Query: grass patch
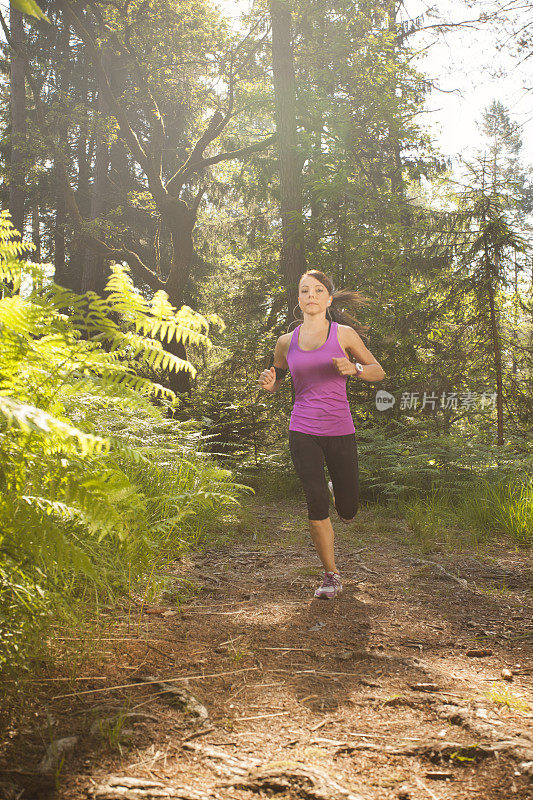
{"points": [[502, 696], [308, 572], [506, 507], [442, 521]]}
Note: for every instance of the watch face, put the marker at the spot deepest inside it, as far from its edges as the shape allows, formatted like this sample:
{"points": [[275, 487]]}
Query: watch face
{"points": [[358, 366]]}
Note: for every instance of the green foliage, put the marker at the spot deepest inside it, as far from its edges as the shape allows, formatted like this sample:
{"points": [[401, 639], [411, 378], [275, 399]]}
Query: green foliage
{"points": [[505, 506], [483, 509], [98, 484], [428, 518], [30, 7]]}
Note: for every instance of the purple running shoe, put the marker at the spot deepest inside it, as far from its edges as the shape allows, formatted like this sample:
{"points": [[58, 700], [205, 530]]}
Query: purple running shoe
{"points": [[331, 586]]}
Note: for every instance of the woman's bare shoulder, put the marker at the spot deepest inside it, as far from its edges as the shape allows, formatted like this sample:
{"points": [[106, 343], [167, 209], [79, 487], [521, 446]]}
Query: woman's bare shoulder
{"points": [[285, 337], [347, 333], [283, 342]]}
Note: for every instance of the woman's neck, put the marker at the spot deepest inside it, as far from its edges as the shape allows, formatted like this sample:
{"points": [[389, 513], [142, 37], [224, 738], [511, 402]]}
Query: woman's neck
{"points": [[314, 323]]}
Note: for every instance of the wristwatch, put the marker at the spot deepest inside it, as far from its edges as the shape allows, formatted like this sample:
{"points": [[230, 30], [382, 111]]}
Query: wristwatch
{"points": [[358, 366]]}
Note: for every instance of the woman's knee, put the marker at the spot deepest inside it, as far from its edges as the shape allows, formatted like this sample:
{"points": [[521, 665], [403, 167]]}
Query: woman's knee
{"points": [[317, 507], [347, 514]]}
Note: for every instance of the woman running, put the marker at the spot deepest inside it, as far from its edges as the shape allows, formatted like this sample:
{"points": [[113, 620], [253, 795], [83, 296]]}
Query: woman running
{"points": [[319, 355]]}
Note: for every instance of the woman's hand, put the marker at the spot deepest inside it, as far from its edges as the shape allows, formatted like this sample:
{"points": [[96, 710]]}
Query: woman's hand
{"points": [[267, 379], [344, 366]]}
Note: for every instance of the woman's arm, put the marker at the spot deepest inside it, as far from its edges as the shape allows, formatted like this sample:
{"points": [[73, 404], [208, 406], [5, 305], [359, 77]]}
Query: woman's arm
{"points": [[351, 342], [268, 380]]}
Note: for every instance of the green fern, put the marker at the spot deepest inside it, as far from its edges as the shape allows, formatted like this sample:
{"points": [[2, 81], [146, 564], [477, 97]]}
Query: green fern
{"points": [[96, 483]]}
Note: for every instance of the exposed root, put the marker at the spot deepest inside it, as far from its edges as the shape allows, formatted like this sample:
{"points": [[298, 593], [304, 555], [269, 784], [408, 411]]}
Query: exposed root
{"points": [[305, 782], [118, 787]]}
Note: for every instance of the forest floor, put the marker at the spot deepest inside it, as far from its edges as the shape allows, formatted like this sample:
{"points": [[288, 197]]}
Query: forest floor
{"points": [[415, 684]]}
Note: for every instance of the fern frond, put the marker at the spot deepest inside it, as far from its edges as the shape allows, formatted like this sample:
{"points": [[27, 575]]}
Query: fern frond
{"points": [[136, 383], [28, 418], [152, 352], [122, 294], [54, 507], [18, 315]]}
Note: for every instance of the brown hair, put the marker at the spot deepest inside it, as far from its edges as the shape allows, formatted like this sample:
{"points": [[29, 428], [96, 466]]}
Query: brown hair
{"points": [[340, 299]]}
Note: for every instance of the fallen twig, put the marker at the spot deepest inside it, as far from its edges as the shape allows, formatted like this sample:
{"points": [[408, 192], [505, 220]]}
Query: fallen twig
{"points": [[449, 575], [171, 656], [366, 569], [296, 649], [145, 683], [426, 788], [197, 734], [261, 716], [320, 725]]}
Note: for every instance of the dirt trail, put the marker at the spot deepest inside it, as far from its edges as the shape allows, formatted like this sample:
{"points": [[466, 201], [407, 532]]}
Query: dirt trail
{"points": [[384, 693]]}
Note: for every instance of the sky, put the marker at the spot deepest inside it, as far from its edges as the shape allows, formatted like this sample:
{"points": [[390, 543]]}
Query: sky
{"points": [[469, 72]]}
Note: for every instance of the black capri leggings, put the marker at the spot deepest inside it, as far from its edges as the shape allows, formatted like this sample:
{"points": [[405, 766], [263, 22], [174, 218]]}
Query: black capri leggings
{"points": [[340, 454]]}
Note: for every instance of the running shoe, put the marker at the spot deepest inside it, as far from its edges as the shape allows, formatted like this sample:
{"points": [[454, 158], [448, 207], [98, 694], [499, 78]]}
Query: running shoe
{"points": [[331, 586]]}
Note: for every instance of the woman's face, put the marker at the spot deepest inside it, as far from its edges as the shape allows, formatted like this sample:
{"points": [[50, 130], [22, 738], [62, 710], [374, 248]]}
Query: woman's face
{"points": [[313, 297]]}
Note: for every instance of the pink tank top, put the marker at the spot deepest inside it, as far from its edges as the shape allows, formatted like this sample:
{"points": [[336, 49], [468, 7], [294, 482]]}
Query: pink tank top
{"points": [[320, 407]]}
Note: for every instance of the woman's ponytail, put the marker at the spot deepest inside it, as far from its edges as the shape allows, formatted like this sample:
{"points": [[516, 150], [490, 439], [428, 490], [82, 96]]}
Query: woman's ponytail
{"points": [[352, 299]]}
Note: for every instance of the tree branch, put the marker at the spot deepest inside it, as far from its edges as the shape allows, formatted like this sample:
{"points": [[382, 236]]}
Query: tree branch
{"points": [[156, 119], [194, 206], [216, 125], [241, 153], [130, 137], [175, 183], [129, 256]]}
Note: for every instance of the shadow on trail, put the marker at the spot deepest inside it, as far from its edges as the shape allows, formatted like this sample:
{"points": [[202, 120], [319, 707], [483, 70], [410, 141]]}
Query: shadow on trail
{"points": [[319, 649]]}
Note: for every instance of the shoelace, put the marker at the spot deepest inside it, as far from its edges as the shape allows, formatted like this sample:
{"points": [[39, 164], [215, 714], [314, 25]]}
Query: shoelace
{"points": [[329, 579]]}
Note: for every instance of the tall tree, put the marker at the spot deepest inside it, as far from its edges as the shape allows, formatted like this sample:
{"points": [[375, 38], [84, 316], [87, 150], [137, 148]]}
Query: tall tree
{"points": [[492, 244], [62, 58], [292, 260], [17, 178], [508, 176], [93, 275]]}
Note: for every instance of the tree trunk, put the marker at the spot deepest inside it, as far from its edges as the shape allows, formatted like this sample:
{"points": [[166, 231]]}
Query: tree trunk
{"points": [[497, 351], [292, 259], [82, 157], [316, 221], [515, 316], [18, 121], [397, 182], [119, 170], [59, 238], [36, 230], [94, 277], [342, 215], [62, 276], [179, 220]]}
